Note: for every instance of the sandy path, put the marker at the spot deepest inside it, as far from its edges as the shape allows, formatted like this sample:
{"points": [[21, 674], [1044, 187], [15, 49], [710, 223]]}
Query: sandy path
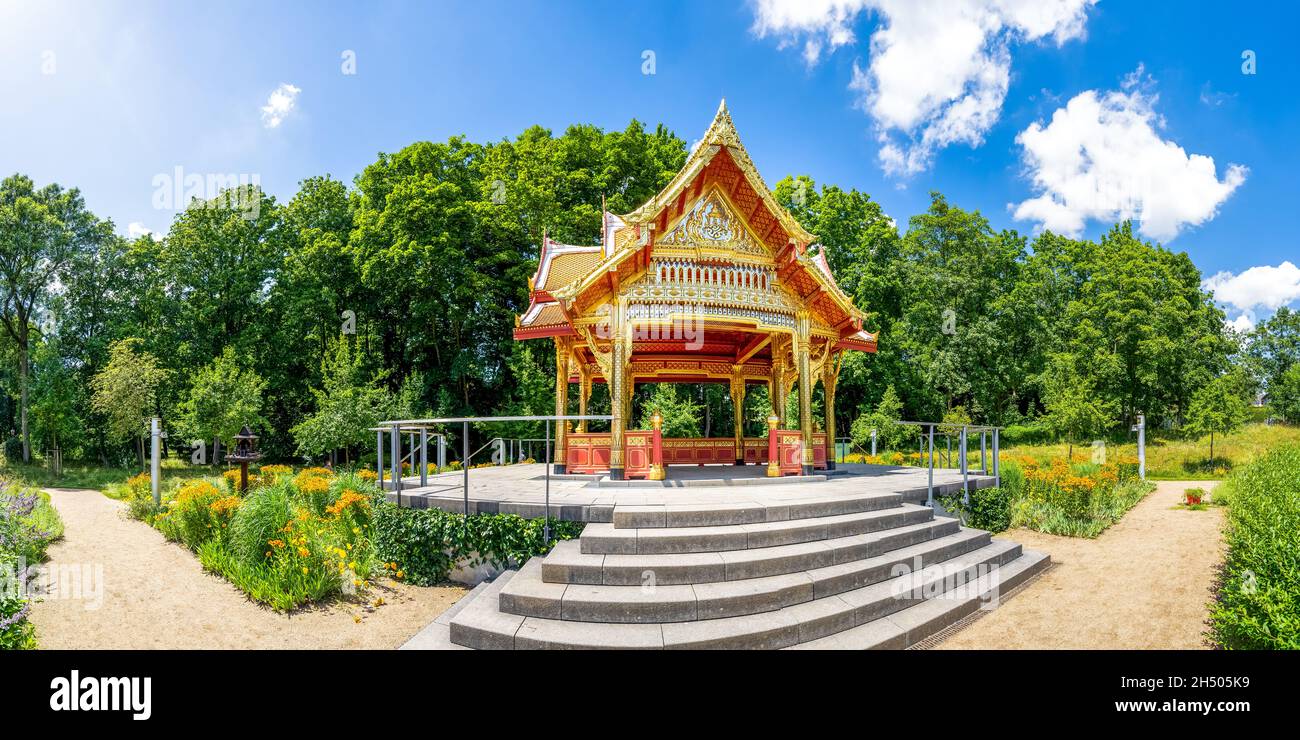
{"points": [[1144, 583], [156, 596]]}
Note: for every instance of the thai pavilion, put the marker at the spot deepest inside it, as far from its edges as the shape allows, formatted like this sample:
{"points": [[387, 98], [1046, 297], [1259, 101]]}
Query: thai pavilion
{"points": [[710, 281]]}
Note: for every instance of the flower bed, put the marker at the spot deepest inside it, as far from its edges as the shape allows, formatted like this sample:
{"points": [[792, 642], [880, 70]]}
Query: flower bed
{"points": [[1056, 497], [296, 538], [28, 524]]}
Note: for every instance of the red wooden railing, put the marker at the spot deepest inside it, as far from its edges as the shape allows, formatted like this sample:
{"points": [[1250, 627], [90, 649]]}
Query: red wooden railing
{"points": [[588, 453]]}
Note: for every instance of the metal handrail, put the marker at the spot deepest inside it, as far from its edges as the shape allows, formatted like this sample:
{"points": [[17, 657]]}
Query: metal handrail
{"points": [[963, 451], [396, 427]]}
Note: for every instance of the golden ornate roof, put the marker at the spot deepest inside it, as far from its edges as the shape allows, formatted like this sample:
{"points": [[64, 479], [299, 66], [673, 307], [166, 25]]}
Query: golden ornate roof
{"points": [[715, 212]]}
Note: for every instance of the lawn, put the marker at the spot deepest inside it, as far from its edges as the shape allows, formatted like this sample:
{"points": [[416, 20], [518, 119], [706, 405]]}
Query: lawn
{"points": [[1182, 459]]}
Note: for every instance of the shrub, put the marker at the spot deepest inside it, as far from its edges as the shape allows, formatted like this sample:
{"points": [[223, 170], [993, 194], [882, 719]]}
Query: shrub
{"points": [[989, 508], [1258, 598], [260, 519], [28, 524], [188, 518], [16, 632], [427, 543], [14, 450]]}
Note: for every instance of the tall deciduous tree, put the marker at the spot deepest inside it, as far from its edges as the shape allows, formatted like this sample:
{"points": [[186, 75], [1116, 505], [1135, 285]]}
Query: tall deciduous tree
{"points": [[223, 398], [348, 405], [126, 390], [1219, 407], [41, 232]]}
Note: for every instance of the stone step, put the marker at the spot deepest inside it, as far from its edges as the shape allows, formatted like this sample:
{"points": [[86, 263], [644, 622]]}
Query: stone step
{"points": [[530, 596], [719, 514], [481, 625], [568, 564], [910, 626], [791, 625], [606, 539]]}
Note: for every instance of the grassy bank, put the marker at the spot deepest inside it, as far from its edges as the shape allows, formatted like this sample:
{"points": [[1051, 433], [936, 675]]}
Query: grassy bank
{"points": [[1257, 605], [1182, 459]]}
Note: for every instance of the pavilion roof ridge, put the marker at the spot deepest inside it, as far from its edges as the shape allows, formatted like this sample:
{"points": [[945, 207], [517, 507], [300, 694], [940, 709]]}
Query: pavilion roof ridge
{"points": [[721, 134]]}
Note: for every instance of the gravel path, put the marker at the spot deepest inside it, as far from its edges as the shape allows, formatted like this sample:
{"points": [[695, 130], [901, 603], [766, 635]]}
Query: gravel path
{"points": [[155, 595], [1144, 584]]}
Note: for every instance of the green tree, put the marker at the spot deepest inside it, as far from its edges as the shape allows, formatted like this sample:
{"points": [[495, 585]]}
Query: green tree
{"points": [[348, 406], [41, 232], [890, 435], [1075, 410], [1285, 395], [223, 398], [1219, 407], [56, 398], [681, 412], [126, 391]]}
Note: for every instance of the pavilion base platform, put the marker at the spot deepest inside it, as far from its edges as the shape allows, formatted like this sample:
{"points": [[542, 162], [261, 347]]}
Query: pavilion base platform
{"points": [[855, 561], [521, 489]]}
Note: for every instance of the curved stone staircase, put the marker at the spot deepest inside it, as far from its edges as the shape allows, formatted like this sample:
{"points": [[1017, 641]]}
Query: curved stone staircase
{"points": [[850, 571]]}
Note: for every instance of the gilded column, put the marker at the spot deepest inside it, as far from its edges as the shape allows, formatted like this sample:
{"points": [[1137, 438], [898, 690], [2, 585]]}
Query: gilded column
{"points": [[777, 388], [561, 399], [738, 410], [584, 395], [618, 382], [830, 374], [803, 361]]}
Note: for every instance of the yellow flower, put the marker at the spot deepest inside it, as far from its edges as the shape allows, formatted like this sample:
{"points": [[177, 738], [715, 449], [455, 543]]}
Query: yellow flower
{"points": [[353, 565], [400, 574], [304, 570], [303, 552]]}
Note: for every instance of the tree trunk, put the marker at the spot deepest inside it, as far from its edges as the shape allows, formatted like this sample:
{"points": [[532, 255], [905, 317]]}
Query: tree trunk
{"points": [[1211, 447], [23, 362]]}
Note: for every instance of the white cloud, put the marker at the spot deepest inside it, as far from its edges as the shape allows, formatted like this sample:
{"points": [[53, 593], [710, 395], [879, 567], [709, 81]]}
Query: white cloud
{"points": [[135, 230], [279, 105], [1264, 286], [1242, 323], [1101, 157], [939, 69]]}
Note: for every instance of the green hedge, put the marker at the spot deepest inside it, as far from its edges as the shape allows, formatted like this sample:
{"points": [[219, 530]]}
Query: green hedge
{"points": [[427, 543], [1258, 600], [989, 508]]}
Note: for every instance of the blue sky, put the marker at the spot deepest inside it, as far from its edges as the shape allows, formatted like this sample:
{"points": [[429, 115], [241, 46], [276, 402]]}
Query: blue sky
{"points": [[885, 96]]}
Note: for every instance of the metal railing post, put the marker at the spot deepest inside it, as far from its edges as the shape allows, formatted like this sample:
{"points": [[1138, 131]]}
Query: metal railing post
{"points": [[929, 486], [546, 521], [984, 459], [965, 468], [395, 453], [424, 456], [873, 442], [379, 456], [464, 446], [997, 461], [442, 452]]}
